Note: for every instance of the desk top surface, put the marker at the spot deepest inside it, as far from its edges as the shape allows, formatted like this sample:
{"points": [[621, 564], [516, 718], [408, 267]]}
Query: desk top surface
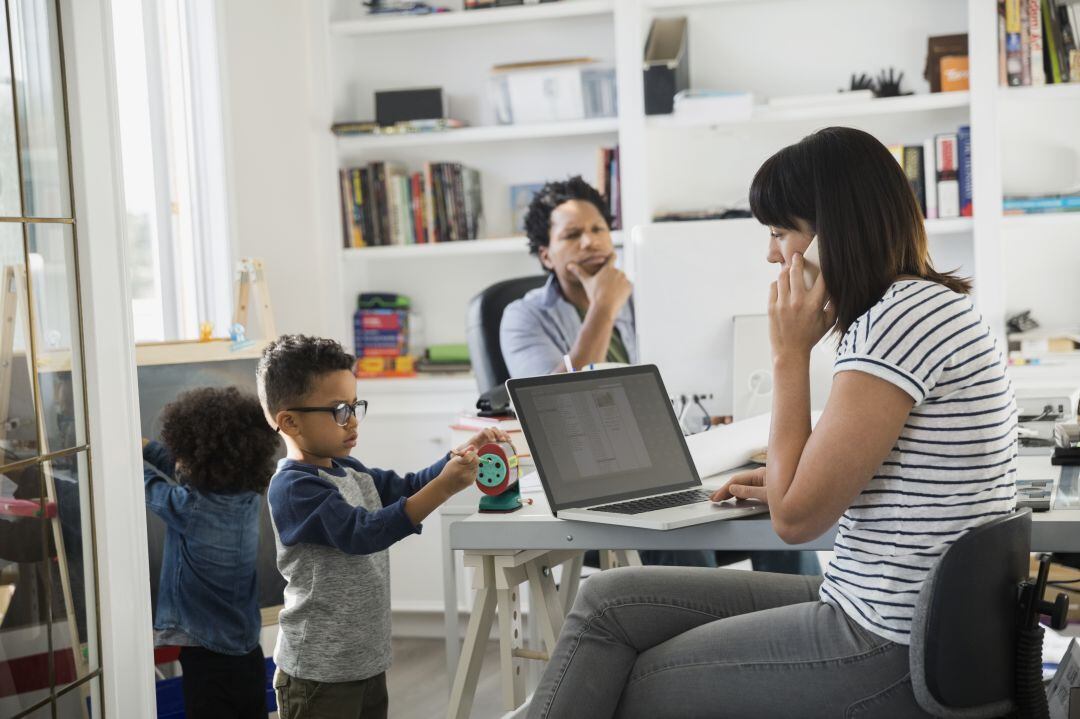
{"points": [[534, 527]]}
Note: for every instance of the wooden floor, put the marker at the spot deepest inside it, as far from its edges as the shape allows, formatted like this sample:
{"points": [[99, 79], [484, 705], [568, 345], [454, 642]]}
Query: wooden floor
{"points": [[419, 688]]}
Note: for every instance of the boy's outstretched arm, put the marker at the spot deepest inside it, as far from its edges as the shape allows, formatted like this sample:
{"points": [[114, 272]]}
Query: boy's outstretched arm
{"points": [[164, 497]]}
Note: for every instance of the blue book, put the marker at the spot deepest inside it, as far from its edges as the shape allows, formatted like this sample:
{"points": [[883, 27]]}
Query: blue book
{"points": [[1062, 203], [963, 150]]}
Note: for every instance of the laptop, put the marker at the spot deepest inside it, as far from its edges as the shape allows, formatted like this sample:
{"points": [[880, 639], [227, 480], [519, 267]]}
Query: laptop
{"points": [[608, 449]]}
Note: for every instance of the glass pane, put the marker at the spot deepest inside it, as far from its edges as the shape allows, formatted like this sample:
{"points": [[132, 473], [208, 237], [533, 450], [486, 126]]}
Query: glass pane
{"points": [[40, 109], [18, 418], [75, 612], [44, 712], [9, 158], [83, 702], [25, 589], [52, 282]]}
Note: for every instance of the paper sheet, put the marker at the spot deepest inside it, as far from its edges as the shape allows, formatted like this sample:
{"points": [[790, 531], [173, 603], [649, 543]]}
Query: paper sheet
{"points": [[728, 446]]}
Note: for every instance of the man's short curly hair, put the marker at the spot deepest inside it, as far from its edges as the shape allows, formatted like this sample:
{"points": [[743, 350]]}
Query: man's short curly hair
{"points": [[550, 196], [289, 366], [220, 440]]}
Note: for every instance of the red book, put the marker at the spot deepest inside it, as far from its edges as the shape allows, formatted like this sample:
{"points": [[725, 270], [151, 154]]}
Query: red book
{"points": [[380, 322]]}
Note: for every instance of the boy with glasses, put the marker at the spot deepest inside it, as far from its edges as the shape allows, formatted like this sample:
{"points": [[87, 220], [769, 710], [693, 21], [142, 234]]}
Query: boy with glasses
{"points": [[334, 519]]}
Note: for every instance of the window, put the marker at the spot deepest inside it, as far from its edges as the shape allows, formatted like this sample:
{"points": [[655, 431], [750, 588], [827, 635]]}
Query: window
{"points": [[48, 596], [172, 143]]}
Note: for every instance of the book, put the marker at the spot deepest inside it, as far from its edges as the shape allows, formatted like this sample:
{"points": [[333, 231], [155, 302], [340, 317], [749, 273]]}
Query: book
{"points": [[1034, 12], [520, 198], [913, 168], [1003, 77], [930, 180], [1052, 36], [954, 73], [947, 183], [963, 170], [1013, 64], [1025, 45], [1030, 205]]}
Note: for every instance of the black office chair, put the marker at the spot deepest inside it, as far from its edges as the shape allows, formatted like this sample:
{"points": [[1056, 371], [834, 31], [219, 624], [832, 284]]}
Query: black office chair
{"points": [[482, 328], [970, 654]]}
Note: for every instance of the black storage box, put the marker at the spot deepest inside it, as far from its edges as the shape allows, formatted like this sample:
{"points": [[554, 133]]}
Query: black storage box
{"points": [[422, 103], [667, 64]]}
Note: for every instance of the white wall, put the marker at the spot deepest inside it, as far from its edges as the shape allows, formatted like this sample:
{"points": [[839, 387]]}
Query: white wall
{"points": [[269, 129]]}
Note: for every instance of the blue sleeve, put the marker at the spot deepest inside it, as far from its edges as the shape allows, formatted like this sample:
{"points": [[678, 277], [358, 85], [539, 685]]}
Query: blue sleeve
{"points": [[392, 486], [307, 508], [165, 498], [527, 349]]}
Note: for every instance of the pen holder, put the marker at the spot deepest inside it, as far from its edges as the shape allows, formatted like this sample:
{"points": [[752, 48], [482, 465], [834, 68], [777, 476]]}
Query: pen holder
{"points": [[497, 478]]}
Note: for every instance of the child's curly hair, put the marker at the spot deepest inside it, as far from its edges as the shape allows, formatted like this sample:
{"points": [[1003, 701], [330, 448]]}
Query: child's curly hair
{"points": [[220, 440]]}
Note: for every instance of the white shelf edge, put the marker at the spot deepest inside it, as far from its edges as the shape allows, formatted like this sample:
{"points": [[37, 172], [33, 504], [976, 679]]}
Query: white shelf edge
{"points": [[929, 102], [1059, 91], [502, 245], [680, 4], [471, 18], [469, 135], [949, 226], [1041, 219]]}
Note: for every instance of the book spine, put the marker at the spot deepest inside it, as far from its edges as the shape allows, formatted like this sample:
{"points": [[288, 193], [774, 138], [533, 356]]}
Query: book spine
{"points": [[1003, 77], [913, 168], [947, 184], [359, 209], [405, 210], [930, 180], [429, 204], [477, 202], [1025, 45], [1038, 73], [447, 172], [1013, 64], [459, 202], [346, 214], [378, 171], [964, 176], [417, 196], [1052, 33]]}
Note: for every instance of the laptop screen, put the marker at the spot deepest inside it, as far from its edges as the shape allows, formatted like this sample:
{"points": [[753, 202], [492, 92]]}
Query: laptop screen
{"points": [[603, 436]]}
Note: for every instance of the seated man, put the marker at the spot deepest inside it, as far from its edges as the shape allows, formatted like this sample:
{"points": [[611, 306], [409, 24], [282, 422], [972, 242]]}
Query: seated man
{"points": [[584, 315]]}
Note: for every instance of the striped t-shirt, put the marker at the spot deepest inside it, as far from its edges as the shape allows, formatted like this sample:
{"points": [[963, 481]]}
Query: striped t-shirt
{"points": [[952, 467]]}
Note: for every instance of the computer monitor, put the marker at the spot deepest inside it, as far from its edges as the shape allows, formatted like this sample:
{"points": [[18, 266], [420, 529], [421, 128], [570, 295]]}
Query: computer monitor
{"points": [[691, 281]]}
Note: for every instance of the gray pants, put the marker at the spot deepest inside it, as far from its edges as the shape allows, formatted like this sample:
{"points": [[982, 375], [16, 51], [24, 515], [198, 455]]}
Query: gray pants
{"points": [[688, 642]]}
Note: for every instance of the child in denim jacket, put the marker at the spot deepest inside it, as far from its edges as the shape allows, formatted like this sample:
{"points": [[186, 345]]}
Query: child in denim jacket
{"points": [[206, 481]]}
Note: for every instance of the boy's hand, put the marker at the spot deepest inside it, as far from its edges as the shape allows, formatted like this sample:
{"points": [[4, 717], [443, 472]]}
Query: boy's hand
{"points": [[484, 436], [461, 470]]}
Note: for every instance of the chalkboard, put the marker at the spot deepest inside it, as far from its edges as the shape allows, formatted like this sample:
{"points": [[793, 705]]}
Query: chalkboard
{"points": [[161, 384]]}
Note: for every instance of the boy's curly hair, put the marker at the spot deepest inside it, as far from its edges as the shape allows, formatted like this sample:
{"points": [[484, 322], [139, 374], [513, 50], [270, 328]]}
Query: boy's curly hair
{"points": [[550, 196], [220, 440], [289, 366]]}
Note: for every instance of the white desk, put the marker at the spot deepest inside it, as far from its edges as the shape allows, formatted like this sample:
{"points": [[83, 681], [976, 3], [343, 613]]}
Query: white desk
{"points": [[533, 529]]}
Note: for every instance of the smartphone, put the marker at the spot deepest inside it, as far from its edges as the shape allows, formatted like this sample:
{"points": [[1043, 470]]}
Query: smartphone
{"points": [[811, 264]]}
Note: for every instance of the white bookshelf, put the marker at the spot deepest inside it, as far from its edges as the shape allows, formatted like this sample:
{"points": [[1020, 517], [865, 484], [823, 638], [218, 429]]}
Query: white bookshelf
{"points": [[1062, 91], [489, 134], [467, 248], [476, 18], [828, 110]]}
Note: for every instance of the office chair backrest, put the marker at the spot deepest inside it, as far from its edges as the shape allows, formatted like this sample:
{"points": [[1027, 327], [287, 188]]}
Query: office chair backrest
{"points": [[963, 636], [482, 328]]}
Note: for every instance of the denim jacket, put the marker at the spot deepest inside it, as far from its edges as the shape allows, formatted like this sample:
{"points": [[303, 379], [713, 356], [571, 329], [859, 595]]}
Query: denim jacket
{"points": [[208, 593]]}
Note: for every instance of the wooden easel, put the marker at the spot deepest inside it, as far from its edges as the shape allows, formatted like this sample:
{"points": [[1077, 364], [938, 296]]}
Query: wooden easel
{"points": [[250, 276], [15, 285]]}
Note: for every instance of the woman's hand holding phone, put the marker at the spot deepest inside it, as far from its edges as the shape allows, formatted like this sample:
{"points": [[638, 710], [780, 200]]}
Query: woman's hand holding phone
{"points": [[799, 313]]}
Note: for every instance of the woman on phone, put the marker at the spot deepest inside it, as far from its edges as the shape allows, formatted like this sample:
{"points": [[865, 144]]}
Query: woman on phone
{"points": [[916, 446]]}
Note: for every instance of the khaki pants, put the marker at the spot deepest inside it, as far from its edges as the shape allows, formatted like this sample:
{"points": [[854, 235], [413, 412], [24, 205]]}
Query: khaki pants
{"points": [[306, 699]]}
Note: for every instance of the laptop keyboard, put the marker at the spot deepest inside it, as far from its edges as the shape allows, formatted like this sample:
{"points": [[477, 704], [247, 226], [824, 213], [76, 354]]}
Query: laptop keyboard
{"points": [[651, 504]]}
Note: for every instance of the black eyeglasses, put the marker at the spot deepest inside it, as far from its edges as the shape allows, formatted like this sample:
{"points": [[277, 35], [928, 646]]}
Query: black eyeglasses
{"points": [[341, 411]]}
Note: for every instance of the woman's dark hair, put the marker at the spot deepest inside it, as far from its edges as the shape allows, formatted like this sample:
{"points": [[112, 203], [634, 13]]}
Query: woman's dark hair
{"points": [[854, 195], [220, 440], [550, 196], [289, 365]]}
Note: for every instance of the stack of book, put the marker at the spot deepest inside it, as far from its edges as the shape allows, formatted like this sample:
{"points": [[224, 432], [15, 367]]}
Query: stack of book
{"points": [[1038, 204], [1038, 42], [607, 183], [939, 171], [381, 327], [385, 204]]}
